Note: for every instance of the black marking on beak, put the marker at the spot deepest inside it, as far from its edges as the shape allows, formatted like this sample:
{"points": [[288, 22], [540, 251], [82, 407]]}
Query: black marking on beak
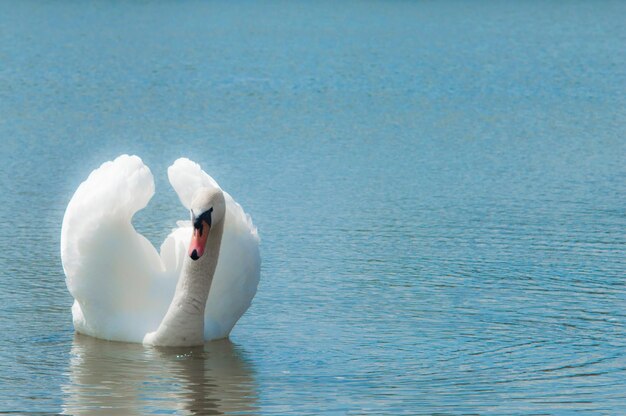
{"points": [[194, 255], [205, 216]]}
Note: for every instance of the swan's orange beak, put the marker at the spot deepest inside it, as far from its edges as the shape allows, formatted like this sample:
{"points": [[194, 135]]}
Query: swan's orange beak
{"points": [[198, 241]]}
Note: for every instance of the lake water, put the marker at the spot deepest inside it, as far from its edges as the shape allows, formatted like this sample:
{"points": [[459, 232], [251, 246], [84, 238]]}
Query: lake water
{"points": [[439, 188]]}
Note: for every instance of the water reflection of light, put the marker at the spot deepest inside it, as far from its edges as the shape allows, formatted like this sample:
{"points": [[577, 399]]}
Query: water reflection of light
{"points": [[112, 378]]}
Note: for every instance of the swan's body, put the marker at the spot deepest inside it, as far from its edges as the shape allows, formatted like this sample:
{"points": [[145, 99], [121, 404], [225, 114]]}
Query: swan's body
{"points": [[124, 290]]}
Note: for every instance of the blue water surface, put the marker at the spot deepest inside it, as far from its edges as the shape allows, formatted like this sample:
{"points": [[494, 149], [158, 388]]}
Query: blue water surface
{"points": [[440, 189]]}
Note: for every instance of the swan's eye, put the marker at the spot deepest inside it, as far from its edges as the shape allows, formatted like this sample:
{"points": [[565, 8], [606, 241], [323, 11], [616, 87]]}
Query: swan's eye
{"points": [[205, 216]]}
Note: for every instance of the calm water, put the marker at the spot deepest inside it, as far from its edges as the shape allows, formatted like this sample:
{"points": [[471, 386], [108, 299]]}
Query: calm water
{"points": [[439, 186]]}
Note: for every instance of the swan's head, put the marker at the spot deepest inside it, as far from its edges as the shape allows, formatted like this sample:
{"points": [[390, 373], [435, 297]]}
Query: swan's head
{"points": [[207, 209]]}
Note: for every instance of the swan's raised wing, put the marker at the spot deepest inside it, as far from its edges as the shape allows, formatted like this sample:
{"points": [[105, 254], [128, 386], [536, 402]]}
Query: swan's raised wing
{"points": [[238, 268], [186, 178], [109, 267]]}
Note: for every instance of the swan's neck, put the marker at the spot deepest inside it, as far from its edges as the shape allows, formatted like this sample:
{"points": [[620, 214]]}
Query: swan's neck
{"points": [[183, 324]]}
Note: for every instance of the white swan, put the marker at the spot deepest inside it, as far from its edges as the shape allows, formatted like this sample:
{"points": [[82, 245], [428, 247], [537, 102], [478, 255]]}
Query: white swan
{"points": [[125, 291]]}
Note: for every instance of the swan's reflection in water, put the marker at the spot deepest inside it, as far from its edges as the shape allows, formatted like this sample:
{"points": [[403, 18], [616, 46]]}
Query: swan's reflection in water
{"points": [[111, 378]]}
